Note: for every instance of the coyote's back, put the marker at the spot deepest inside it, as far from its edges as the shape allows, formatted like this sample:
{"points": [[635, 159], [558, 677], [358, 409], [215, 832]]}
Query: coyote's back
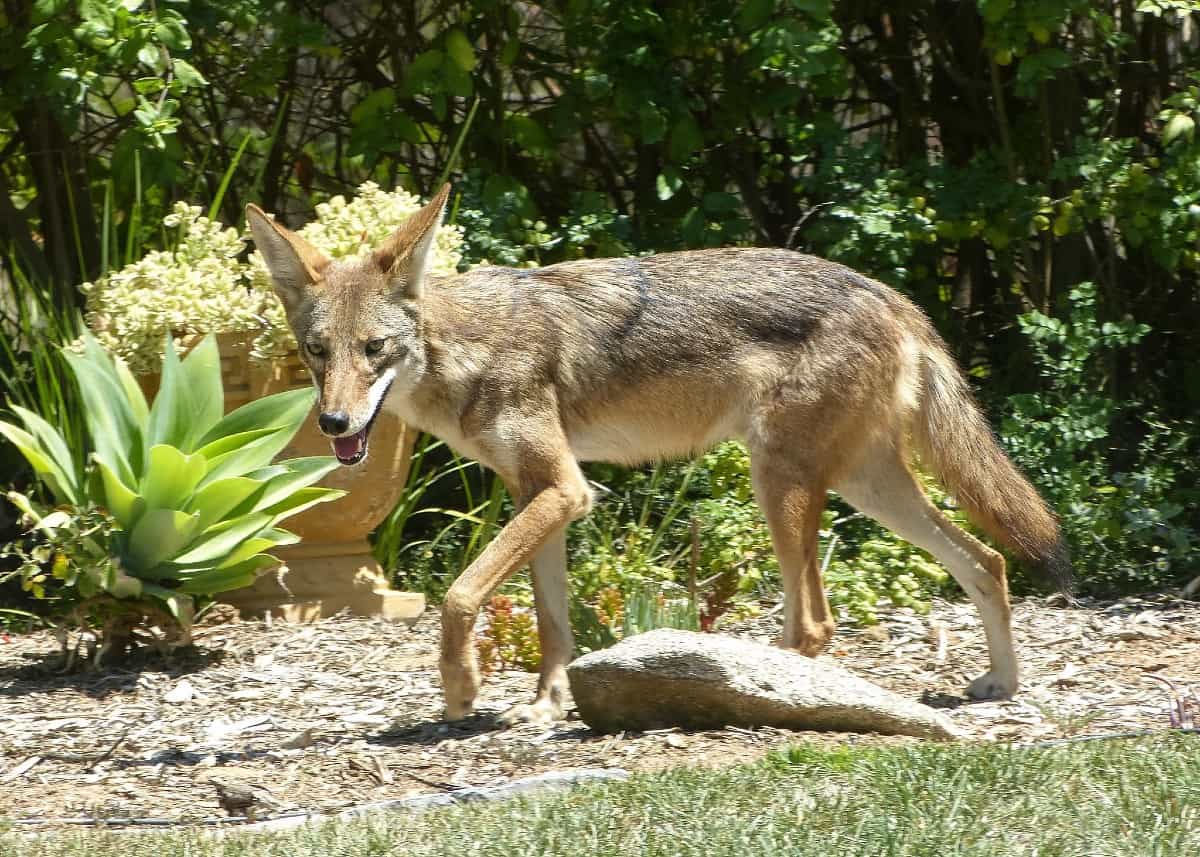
{"points": [[662, 356]]}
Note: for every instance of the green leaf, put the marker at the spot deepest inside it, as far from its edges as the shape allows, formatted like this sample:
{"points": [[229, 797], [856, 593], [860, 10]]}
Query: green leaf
{"points": [[753, 14], [134, 396], [149, 55], [169, 421], [298, 473], [652, 124], [423, 71], [172, 33], [280, 410], [49, 9], [528, 134], [686, 138], [187, 74], [460, 51], [223, 445], [171, 476], [217, 499], [53, 446], [218, 541], [376, 105], [268, 472], [213, 580], [178, 603], [39, 460], [157, 537], [300, 500], [123, 503], [247, 549], [1180, 125], [115, 433], [245, 458], [201, 375], [668, 183]]}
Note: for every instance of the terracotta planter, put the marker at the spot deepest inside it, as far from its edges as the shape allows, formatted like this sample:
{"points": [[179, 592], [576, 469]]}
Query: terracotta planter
{"points": [[332, 568]]}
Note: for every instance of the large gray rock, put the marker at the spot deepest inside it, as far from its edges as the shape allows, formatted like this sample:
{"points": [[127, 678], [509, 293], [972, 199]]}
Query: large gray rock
{"points": [[702, 681]]}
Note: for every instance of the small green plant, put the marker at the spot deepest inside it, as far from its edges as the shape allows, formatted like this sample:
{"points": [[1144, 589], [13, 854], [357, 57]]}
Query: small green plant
{"points": [[198, 283], [650, 609], [176, 501], [509, 640], [451, 507]]}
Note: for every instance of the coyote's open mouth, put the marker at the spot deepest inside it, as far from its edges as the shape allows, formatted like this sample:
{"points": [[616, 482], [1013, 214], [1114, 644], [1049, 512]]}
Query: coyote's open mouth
{"points": [[352, 448]]}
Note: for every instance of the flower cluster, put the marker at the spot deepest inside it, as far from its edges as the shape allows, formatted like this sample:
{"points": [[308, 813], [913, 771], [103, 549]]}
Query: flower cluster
{"points": [[200, 285]]}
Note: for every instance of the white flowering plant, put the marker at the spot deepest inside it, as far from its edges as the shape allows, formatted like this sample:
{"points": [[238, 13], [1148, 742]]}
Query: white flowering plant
{"points": [[201, 286]]}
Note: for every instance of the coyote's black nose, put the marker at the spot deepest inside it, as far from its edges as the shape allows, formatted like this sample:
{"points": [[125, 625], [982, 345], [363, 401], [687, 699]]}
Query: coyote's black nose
{"points": [[334, 423]]}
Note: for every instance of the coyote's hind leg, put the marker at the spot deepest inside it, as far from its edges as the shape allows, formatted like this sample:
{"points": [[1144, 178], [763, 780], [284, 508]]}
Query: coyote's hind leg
{"points": [[792, 497], [884, 487]]}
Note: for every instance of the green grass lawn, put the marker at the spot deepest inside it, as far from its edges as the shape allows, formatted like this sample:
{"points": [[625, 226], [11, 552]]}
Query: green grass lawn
{"points": [[1116, 798]]}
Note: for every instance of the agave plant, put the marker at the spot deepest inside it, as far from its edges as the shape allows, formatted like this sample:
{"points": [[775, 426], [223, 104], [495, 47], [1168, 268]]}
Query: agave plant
{"points": [[192, 495]]}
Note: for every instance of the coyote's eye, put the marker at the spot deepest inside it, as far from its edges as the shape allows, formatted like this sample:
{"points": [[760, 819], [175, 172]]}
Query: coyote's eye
{"points": [[315, 349], [374, 346]]}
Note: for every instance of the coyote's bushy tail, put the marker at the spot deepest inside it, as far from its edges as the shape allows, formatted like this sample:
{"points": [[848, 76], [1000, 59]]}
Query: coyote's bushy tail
{"points": [[956, 442]]}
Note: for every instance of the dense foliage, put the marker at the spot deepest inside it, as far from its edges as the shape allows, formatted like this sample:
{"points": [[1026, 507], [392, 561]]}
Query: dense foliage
{"points": [[1027, 170]]}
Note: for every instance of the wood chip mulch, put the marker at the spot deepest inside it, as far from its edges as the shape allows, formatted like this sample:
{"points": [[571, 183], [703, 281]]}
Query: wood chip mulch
{"points": [[266, 719]]}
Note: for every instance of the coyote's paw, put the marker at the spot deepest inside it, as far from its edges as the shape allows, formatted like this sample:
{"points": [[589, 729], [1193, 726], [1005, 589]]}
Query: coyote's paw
{"points": [[990, 685], [541, 712], [458, 710], [460, 685]]}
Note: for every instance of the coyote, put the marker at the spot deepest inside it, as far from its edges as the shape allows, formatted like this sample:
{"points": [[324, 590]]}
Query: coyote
{"points": [[831, 379]]}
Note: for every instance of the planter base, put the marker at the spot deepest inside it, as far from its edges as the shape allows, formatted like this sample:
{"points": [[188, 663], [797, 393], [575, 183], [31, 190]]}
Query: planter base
{"points": [[318, 580]]}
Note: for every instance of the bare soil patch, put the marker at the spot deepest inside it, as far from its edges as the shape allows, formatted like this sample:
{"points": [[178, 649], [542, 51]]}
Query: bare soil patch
{"points": [[345, 712]]}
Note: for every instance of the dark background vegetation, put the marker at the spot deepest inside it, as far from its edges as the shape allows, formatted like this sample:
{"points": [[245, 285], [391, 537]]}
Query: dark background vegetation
{"points": [[1026, 170]]}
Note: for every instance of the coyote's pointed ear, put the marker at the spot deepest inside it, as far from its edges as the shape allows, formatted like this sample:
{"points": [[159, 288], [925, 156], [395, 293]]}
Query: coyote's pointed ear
{"points": [[293, 262], [407, 254]]}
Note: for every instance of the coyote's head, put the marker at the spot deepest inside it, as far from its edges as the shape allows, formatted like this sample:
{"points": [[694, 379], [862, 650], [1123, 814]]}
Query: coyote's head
{"points": [[357, 320]]}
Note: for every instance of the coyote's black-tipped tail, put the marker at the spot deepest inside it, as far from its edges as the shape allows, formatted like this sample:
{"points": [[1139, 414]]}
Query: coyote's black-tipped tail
{"points": [[955, 440]]}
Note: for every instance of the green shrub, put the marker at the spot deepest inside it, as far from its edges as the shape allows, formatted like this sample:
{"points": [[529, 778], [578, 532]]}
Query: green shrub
{"points": [[176, 502], [1123, 508]]}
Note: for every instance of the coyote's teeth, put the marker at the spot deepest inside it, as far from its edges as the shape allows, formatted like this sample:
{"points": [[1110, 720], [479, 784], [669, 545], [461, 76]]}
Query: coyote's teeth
{"points": [[350, 449]]}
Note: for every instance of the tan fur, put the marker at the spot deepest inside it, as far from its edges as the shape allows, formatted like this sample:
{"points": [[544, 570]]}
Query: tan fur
{"points": [[830, 378]]}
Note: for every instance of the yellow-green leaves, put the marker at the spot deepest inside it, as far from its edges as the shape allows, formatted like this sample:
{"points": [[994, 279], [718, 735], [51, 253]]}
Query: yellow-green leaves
{"points": [[193, 495]]}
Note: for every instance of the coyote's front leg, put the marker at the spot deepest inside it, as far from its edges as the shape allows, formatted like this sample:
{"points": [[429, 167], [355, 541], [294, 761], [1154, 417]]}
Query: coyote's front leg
{"points": [[544, 514], [554, 634]]}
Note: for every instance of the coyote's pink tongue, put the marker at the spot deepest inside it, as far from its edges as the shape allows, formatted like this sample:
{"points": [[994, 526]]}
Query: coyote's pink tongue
{"points": [[351, 448]]}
